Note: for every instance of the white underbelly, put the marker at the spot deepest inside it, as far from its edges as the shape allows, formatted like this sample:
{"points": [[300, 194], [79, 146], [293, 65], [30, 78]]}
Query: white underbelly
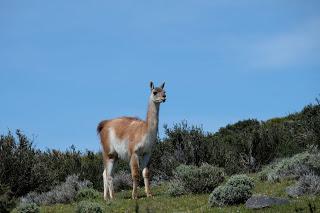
{"points": [[121, 146], [118, 146]]}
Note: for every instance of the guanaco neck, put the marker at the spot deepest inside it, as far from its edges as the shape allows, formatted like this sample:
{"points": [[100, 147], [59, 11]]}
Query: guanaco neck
{"points": [[152, 117]]}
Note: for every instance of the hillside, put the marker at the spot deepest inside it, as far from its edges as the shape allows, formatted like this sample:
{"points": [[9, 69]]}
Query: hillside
{"points": [[194, 203], [247, 147]]}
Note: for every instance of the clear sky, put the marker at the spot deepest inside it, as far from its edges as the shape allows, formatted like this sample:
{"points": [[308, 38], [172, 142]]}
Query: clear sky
{"points": [[66, 65]]}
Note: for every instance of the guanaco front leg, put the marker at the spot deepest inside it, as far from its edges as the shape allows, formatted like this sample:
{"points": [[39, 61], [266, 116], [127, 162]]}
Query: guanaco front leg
{"points": [[134, 165], [146, 174], [146, 177]]}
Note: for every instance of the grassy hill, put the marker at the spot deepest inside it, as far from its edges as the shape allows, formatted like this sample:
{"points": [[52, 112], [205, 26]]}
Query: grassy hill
{"points": [[161, 202]]}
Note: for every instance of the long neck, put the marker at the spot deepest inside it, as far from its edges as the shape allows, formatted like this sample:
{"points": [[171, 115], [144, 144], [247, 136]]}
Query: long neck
{"points": [[153, 117]]}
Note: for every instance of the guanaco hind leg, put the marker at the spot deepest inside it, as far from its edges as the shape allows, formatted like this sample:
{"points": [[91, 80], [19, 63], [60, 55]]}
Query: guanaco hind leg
{"points": [[134, 165], [108, 179], [105, 184]]}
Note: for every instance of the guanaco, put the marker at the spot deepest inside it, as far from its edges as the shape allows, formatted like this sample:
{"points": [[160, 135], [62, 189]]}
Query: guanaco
{"points": [[131, 139]]}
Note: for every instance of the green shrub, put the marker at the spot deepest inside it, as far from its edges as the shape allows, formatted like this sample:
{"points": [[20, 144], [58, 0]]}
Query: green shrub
{"points": [[237, 190], [199, 179], [89, 207], [310, 183], [28, 208], [293, 167], [196, 179], [7, 202], [263, 174], [87, 194], [238, 180], [210, 178], [307, 184], [314, 159], [176, 188], [63, 193]]}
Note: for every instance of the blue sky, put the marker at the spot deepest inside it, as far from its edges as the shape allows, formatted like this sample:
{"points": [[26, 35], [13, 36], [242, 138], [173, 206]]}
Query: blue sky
{"points": [[66, 65]]}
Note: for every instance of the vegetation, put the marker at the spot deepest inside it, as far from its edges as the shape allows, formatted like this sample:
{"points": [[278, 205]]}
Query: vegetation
{"points": [[193, 179], [292, 167], [304, 167], [241, 180], [7, 202], [28, 208], [89, 207], [63, 193], [307, 184], [238, 189], [176, 188], [242, 147], [87, 194], [122, 180], [161, 202], [185, 160]]}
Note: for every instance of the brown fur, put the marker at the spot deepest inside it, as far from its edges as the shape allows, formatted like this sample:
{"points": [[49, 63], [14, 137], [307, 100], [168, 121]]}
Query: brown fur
{"points": [[125, 127]]}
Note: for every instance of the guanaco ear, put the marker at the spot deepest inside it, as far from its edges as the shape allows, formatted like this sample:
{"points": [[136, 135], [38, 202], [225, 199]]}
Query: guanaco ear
{"points": [[162, 85], [151, 85]]}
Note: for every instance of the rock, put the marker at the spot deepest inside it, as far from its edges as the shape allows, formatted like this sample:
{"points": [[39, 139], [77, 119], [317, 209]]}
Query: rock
{"points": [[262, 201]]}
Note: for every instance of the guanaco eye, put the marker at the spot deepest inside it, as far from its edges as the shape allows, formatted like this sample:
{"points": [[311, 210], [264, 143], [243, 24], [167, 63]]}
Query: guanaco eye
{"points": [[155, 92]]}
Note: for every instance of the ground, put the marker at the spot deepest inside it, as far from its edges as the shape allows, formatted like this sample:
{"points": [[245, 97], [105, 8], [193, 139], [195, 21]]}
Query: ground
{"points": [[161, 202]]}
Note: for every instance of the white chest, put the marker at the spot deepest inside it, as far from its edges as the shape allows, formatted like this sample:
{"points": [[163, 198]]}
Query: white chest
{"points": [[121, 146], [146, 145]]}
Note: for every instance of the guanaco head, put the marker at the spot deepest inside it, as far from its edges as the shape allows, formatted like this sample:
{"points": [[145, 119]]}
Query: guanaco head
{"points": [[158, 94]]}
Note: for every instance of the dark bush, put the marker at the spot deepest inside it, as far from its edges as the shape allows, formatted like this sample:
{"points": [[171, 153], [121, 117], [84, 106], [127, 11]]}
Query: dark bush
{"points": [[19, 166], [91, 168], [24, 168], [7, 202], [183, 145]]}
